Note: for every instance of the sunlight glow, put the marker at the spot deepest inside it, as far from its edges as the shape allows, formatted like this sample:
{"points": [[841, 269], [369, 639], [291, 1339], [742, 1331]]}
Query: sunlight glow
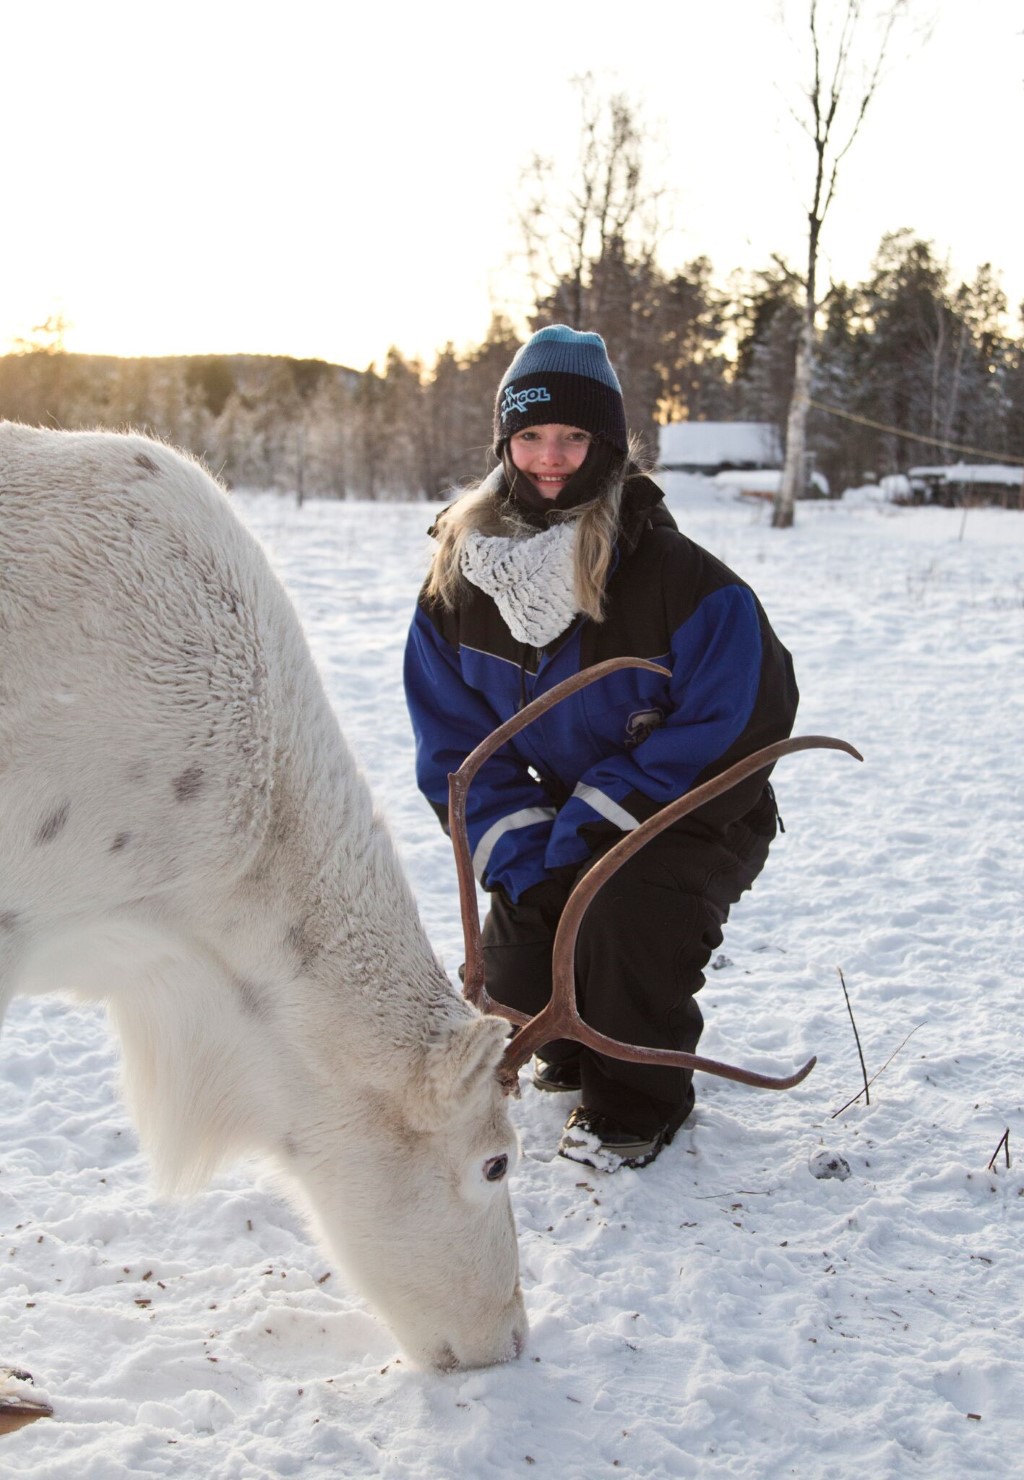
{"points": [[328, 185]]}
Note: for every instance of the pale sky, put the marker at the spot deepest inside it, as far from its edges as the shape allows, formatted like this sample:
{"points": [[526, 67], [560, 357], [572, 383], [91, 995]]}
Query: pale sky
{"points": [[326, 180]]}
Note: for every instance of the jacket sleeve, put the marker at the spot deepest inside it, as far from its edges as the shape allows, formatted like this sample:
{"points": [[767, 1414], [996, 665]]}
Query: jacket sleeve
{"points": [[508, 813], [715, 707]]}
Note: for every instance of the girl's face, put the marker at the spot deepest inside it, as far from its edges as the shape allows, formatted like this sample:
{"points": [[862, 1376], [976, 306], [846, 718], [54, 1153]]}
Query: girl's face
{"points": [[549, 455]]}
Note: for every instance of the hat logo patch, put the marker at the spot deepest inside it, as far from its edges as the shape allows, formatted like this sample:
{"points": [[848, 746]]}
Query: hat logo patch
{"points": [[514, 400]]}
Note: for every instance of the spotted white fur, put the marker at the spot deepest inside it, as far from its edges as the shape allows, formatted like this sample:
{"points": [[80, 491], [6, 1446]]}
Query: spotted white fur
{"points": [[185, 836]]}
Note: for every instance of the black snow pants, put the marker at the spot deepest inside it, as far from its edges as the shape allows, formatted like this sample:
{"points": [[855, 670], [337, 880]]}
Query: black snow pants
{"points": [[640, 958]]}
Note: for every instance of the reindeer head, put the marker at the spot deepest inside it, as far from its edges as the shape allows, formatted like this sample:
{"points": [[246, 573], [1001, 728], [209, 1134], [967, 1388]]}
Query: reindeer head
{"points": [[430, 1240]]}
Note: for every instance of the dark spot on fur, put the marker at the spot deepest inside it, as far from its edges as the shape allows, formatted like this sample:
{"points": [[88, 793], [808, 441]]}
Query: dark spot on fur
{"points": [[251, 996], [121, 841], [291, 1150], [188, 784], [8, 921], [54, 824], [297, 939], [446, 1360], [146, 462]]}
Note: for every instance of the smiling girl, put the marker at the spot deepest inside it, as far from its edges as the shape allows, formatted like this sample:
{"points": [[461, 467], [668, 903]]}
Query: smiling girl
{"points": [[563, 557]]}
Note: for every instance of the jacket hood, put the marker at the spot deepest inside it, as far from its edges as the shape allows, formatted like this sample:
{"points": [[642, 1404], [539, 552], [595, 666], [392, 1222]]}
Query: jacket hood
{"points": [[643, 505]]}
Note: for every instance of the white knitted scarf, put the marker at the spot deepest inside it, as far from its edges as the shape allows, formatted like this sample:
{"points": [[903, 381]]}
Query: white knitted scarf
{"points": [[530, 579]]}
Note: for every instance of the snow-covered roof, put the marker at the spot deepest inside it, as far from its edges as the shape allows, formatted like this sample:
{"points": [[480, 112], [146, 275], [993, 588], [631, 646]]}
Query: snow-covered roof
{"points": [[764, 482], [719, 444], [971, 473]]}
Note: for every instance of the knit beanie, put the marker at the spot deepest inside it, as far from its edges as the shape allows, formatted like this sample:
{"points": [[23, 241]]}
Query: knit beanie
{"points": [[564, 376]]}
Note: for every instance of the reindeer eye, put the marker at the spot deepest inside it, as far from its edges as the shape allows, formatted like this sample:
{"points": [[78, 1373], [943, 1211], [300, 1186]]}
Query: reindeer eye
{"points": [[496, 1168]]}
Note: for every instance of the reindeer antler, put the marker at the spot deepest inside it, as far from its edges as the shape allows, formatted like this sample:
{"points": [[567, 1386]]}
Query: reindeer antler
{"points": [[560, 1017]]}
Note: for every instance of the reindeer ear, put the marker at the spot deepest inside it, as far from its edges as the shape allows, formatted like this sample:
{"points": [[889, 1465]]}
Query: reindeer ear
{"points": [[457, 1073]]}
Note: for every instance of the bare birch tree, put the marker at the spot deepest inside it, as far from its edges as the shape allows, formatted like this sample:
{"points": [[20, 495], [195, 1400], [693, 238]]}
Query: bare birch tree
{"points": [[849, 44], [570, 226], [590, 231]]}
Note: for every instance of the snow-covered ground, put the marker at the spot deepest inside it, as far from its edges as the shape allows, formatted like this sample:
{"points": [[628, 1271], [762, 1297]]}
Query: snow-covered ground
{"points": [[723, 1312]]}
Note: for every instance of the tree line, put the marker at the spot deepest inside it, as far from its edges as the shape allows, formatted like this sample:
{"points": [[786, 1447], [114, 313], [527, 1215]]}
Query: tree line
{"points": [[911, 366]]}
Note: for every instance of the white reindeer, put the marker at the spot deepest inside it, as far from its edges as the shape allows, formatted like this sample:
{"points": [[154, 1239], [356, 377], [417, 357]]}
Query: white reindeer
{"points": [[185, 836]]}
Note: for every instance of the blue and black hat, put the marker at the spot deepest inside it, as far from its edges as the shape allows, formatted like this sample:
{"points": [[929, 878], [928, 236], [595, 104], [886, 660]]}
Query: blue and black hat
{"points": [[561, 375]]}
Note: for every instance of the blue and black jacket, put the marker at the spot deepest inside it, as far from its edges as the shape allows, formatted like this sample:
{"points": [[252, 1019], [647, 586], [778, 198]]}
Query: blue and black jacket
{"points": [[615, 753]]}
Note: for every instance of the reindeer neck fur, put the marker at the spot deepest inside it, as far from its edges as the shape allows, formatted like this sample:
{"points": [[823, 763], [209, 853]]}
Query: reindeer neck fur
{"points": [[189, 837]]}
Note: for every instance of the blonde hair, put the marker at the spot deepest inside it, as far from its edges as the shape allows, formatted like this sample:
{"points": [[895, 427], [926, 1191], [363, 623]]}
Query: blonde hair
{"points": [[486, 510]]}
